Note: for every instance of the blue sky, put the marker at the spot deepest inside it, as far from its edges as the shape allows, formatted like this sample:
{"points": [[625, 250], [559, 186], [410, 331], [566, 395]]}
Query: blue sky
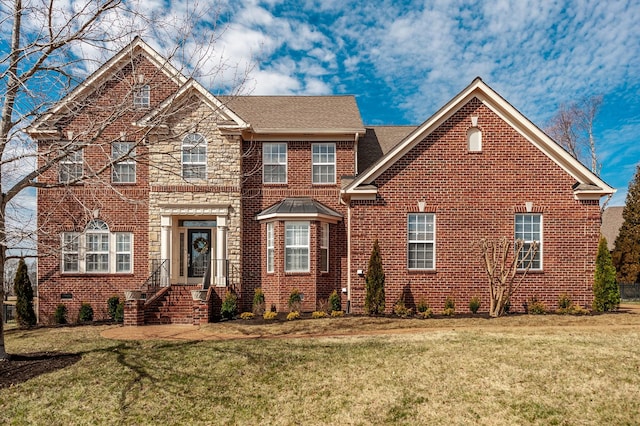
{"points": [[404, 59]]}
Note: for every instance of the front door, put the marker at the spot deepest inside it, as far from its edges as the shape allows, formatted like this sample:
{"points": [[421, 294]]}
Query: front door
{"points": [[199, 252]]}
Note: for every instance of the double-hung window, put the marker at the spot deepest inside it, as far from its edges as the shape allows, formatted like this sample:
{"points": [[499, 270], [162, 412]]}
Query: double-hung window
{"points": [[124, 164], [296, 247], [71, 166], [324, 248], [97, 251], [323, 163], [274, 163], [194, 157], [270, 248], [142, 96], [529, 229], [421, 241]]}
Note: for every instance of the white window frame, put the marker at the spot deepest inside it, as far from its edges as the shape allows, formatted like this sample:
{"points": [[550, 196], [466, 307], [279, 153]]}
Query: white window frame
{"points": [[142, 96], [270, 248], [71, 167], [123, 251], [274, 162], [419, 236], [295, 246], [525, 230], [122, 156], [323, 163], [107, 247], [194, 157], [324, 248], [474, 139]]}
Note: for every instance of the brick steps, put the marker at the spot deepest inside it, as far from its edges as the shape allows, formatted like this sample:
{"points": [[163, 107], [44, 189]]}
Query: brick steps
{"points": [[174, 306]]}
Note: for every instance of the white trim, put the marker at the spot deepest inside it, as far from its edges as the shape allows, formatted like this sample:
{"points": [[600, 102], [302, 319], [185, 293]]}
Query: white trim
{"points": [[285, 164], [433, 241], [325, 242], [270, 246], [299, 217], [540, 242], [201, 143], [307, 246], [320, 164]]}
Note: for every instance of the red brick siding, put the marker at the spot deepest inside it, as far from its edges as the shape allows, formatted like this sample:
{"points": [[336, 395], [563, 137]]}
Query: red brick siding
{"points": [[475, 195]]}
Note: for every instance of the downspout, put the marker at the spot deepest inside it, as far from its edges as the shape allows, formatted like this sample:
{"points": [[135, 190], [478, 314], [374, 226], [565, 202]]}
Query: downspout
{"points": [[349, 257]]}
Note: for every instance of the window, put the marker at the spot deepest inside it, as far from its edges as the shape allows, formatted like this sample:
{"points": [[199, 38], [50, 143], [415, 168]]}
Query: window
{"points": [[323, 160], [529, 229], [97, 250], [421, 241], [474, 139], [296, 247], [270, 248], [194, 156], [124, 165], [274, 163], [324, 248], [142, 96], [71, 167]]}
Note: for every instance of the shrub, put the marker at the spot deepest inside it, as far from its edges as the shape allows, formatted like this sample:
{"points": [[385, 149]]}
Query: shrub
{"points": [[247, 315], [229, 305], [374, 296], [269, 315], [401, 310], [60, 314], [273, 308], [474, 304], [567, 307], [323, 305], [422, 306], [293, 315], [334, 302], [449, 306], [259, 304], [425, 314], [112, 306], [319, 314], [295, 300], [85, 314], [25, 315], [335, 314], [120, 312], [606, 294], [536, 307]]}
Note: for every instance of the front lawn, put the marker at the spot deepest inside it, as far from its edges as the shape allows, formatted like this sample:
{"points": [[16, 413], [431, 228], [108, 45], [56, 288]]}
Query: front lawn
{"points": [[515, 370]]}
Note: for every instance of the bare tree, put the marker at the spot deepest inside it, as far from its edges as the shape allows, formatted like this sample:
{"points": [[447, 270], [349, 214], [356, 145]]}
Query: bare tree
{"points": [[52, 48], [501, 260], [572, 127]]}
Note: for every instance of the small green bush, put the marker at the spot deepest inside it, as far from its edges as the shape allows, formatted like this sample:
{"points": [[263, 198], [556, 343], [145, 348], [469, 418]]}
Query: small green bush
{"points": [[422, 306], [85, 314], [112, 306], [229, 306], [247, 315], [425, 314], [259, 305], [334, 301], [120, 312], [336, 314], [536, 307], [449, 306], [295, 300], [60, 314], [401, 310], [269, 315], [474, 304], [319, 314], [294, 315]]}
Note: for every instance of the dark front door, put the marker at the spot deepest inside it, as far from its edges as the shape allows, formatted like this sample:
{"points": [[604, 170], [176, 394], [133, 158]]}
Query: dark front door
{"points": [[199, 249]]}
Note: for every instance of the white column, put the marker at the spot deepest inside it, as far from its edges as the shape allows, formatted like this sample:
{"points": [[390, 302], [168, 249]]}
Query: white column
{"points": [[221, 251], [165, 249]]}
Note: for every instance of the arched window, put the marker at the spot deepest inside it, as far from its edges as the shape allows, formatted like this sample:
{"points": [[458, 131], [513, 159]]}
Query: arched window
{"points": [[97, 242], [194, 156], [474, 139]]}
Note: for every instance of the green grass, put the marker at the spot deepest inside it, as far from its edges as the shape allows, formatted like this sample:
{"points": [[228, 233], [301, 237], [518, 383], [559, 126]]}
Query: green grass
{"points": [[519, 370]]}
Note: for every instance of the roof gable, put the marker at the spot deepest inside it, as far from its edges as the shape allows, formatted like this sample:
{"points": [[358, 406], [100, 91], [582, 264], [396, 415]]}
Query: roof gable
{"points": [[589, 185], [101, 75]]}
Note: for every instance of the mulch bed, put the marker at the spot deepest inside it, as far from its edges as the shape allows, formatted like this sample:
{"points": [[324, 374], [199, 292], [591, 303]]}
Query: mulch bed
{"points": [[20, 368]]}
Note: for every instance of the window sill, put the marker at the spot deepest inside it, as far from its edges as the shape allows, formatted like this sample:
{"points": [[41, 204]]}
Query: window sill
{"points": [[96, 274], [297, 273], [531, 271], [421, 271], [275, 184]]}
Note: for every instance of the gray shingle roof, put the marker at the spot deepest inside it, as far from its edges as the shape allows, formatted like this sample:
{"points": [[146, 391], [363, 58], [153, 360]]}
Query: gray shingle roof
{"points": [[611, 222], [297, 112], [299, 206], [379, 140]]}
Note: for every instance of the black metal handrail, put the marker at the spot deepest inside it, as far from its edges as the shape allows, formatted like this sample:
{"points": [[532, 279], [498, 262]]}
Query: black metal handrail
{"points": [[159, 278]]}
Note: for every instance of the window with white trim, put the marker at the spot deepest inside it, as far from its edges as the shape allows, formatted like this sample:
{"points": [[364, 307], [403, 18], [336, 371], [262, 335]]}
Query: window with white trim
{"points": [[421, 241], [97, 250], [528, 228], [323, 163], [274, 163], [296, 246], [324, 248], [142, 96], [474, 139], [124, 164], [71, 167], [194, 156], [270, 248]]}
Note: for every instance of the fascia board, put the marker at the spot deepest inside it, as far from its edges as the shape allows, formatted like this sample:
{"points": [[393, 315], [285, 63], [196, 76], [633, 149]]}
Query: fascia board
{"points": [[298, 216]]}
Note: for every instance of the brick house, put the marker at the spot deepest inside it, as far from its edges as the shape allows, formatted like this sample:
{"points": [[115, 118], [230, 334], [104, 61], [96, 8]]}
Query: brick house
{"points": [[169, 191]]}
